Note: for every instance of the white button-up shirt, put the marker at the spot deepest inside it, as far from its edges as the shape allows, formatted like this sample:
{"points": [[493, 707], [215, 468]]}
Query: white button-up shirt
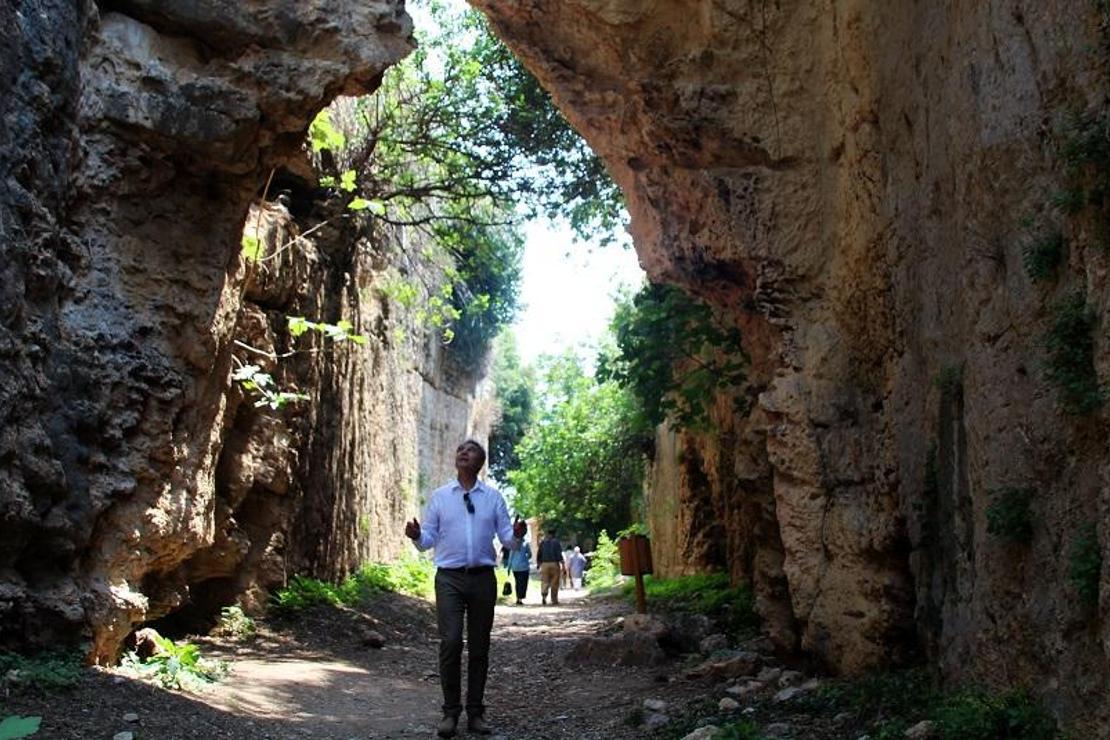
{"points": [[462, 539]]}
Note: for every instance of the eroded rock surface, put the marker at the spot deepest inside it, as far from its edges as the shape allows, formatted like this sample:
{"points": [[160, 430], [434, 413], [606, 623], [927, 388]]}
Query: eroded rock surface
{"points": [[137, 137], [850, 182]]}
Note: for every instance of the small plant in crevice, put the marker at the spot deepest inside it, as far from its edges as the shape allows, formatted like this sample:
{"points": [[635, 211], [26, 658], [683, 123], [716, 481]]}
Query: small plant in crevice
{"points": [[634, 717], [1070, 365], [1043, 256], [1085, 566], [950, 379], [1009, 517], [931, 484], [1085, 151]]}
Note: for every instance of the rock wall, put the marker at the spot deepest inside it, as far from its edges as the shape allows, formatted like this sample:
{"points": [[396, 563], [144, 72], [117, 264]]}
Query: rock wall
{"points": [[131, 480], [854, 183], [324, 484]]}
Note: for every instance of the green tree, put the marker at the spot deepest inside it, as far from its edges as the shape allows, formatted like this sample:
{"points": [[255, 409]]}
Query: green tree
{"points": [[516, 395], [582, 461], [462, 121], [674, 353]]}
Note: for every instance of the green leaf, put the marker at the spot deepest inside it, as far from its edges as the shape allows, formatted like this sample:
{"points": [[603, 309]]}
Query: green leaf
{"points": [[252, 248], [298, 325], [376, 207], [322, 134], [347, 181], [16, 727]]}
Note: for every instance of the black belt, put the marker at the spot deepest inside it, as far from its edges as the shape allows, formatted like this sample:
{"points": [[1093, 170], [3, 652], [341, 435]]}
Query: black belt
{"points": [[471, 569]]}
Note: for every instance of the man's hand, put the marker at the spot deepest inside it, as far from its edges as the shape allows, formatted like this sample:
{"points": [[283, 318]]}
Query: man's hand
{"points": [[412, 529], [520, 527]]}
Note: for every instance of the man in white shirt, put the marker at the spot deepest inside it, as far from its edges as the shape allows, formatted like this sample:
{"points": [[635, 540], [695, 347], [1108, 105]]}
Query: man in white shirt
{"points": [[460, 522]]}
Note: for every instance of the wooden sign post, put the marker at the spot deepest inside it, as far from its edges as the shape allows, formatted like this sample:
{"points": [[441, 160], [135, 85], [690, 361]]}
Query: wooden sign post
{"points": [[635, 552]]}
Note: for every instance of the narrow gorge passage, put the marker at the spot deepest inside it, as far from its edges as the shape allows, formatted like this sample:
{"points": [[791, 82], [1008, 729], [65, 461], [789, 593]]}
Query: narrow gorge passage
{"points": [[256, 260]]}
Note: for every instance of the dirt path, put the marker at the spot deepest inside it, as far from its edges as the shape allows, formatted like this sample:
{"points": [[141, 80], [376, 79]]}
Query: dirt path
{"points": [[394, 692], [312, 678]]}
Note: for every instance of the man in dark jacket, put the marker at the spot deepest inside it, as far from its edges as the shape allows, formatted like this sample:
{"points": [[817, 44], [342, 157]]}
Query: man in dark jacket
{"points": [[550, 559]]}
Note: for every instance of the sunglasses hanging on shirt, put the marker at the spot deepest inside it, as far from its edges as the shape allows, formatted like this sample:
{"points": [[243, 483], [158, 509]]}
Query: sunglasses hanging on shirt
{"points": [[468, 502]]}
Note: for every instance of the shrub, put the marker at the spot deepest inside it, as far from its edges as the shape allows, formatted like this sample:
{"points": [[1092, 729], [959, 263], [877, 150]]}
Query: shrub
{"points": [[1043, 256], [413, 576], [303, 592], [893, 701], [1085, 566], [743, 730], [1071, 355], [979, 716], [893, 693], [605, 571], [175, 666], [234, 623], [49, 671], [1008, 515], [707, 593]]}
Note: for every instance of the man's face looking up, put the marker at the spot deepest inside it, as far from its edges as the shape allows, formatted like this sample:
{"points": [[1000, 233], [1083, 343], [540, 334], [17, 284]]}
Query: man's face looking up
{"points": [[469, 457]]}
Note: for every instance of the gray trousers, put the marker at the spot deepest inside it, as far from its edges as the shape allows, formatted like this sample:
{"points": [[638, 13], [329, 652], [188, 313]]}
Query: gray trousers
{"points": [[472, 595]]}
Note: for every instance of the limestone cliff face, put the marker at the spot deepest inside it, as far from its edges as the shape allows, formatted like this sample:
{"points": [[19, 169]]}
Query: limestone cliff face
{"points": [[133, 476], [848, 180]]}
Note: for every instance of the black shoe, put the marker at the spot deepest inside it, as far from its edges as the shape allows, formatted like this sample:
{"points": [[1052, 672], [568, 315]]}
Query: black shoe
{"points": [[447, 726], [477, 724], [520, 602]]}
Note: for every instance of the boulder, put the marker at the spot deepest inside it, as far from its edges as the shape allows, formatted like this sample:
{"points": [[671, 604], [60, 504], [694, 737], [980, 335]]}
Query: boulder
{"points": [[655, 705], [713, 643], [706, 732], [789, 693], [145, 645], [922, 731], [728, 704], [647, 624], [627, 649], [371, 638], [685, 632], [738, 664], [769, 675]]}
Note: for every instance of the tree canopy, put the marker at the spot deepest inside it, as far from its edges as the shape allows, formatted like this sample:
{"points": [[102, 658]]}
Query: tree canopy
{"points": [[516, 396], [582, 461]]}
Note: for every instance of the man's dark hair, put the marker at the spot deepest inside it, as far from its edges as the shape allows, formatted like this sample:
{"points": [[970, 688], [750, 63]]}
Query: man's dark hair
{"points": [[551, 531]]}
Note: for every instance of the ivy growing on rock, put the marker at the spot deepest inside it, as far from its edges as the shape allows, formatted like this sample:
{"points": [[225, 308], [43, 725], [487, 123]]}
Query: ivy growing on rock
{"points": [[675, 354], [1070, 365]]}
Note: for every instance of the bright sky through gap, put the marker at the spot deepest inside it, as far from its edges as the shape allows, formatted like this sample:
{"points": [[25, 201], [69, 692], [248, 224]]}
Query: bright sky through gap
{"points": [[567, 289]]}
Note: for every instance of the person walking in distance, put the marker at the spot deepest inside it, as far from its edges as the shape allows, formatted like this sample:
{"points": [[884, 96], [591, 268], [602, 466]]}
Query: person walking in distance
{"points": [[550, 559], [519, 564], [576, 567], [460, 522]]}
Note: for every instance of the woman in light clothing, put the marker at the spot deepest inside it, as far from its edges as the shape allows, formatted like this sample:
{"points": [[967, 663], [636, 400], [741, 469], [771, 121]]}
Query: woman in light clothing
{"points": [[576, 567]]}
